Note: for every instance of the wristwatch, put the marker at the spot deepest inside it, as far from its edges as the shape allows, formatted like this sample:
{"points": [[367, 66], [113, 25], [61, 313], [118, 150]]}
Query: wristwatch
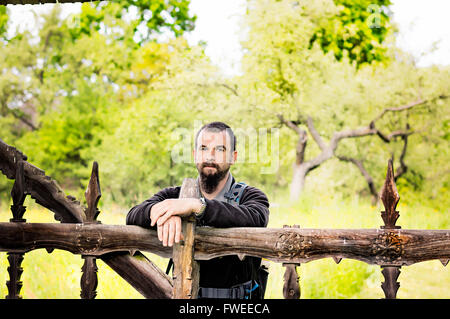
{"points": [[202, 209]]}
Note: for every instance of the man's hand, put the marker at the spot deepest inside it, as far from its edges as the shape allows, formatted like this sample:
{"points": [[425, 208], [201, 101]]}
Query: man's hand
{"points": [[162, 212], [170, 231]]}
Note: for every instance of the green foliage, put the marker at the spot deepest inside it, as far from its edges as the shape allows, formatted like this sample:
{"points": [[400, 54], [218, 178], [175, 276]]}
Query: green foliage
{"points": [[285, 75], [72, 96], [88, 91], [64, 139], [145, 18], [136, 157], [3, 20], [358, 31]]}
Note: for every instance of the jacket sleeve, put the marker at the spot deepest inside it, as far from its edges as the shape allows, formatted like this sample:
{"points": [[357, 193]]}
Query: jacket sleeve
{"points": [[140, 214], [253, 211]]}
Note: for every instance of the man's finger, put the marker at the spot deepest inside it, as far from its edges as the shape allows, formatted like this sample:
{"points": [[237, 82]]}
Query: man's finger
{"points": [[154, 213], [157, 212], [160, 232], [171, 232], [165, 234], [163, 218]]}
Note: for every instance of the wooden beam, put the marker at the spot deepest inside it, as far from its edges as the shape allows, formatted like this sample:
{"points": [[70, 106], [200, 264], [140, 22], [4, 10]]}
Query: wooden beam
{"points": [[141, 273], [186, 274], [387, 247], [84, 239], [373, 246]]}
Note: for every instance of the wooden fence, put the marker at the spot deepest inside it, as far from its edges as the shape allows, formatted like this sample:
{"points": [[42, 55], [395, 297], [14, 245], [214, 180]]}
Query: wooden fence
{"points": [[119, 246]]}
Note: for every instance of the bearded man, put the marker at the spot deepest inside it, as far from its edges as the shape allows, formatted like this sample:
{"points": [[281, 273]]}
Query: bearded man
{"points": [[218, 206]]}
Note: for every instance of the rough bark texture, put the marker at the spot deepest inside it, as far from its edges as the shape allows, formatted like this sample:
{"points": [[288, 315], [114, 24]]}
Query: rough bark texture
{"points": [[385, 247], [373, 246], [186, 270]]}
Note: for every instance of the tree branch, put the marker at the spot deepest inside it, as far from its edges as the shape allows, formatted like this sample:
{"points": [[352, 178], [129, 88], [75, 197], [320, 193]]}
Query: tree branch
{"points": [[329, 150], [24, 120], [368, 178], [408, 106], [234, 91], [291, 124], [316, 136], [301, 142], [399, 171], [399, 109]]}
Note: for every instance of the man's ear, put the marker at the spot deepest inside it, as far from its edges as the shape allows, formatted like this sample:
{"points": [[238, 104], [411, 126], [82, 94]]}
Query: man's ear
{"points": [[234, 157]]}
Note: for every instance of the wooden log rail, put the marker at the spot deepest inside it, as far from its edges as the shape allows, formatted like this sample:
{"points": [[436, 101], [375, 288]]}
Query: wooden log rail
{"points": [[119, 246], [400, 247]]}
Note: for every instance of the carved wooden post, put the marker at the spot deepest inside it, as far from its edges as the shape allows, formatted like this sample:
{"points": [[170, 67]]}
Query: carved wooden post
{"points": [[185, 268], [18, 195], [291, 287], [391, 241], [89, 280]]}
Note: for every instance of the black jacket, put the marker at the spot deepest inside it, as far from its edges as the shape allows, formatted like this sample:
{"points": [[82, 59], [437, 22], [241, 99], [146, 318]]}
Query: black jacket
{"points": [[252, 211]]}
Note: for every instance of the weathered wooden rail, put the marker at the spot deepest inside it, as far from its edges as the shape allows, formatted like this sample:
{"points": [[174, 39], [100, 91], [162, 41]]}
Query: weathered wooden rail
{"points": [[119, 246], [399, 247]]}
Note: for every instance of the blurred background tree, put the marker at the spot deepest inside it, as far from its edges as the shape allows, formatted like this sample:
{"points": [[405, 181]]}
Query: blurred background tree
{"points": [[116, 81], [3, 20], [330, 104], [138, 20], [64, 91], [357, 30]]}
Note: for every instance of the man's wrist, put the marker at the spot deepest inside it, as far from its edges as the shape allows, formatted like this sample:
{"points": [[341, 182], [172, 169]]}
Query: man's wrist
{"points": [[200, 207]]}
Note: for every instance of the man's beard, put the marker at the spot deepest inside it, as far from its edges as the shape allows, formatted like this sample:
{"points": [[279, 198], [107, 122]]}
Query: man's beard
{"points": [[209, 182]]}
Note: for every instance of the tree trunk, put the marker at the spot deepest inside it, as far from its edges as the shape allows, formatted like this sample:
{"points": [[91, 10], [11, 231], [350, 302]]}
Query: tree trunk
{"points": [[298, 181]]}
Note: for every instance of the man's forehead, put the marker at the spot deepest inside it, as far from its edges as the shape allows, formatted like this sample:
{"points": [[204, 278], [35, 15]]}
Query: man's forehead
{"points": [[210, 137]]}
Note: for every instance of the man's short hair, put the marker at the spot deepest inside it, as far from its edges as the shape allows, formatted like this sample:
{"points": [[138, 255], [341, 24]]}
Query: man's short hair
{"points": [[218, 127]]}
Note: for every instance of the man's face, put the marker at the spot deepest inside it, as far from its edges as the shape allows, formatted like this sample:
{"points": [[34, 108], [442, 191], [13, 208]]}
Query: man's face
{"points": [[213, 154]]}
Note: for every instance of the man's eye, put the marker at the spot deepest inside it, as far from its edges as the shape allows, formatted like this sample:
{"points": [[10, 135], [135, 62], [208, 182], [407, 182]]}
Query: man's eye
{"points": [[220, 149], [203, 148]]}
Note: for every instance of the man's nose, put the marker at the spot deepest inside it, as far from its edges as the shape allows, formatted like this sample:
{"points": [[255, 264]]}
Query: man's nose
{"points": [[210, 155], [210, 159]]}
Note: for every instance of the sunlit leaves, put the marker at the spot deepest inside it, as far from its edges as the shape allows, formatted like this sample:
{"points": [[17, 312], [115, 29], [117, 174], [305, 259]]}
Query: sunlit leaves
{"points": [[138, 20]]}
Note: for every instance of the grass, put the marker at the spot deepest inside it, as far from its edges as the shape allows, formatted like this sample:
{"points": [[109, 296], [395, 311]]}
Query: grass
{"points": [[57, 275]]}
